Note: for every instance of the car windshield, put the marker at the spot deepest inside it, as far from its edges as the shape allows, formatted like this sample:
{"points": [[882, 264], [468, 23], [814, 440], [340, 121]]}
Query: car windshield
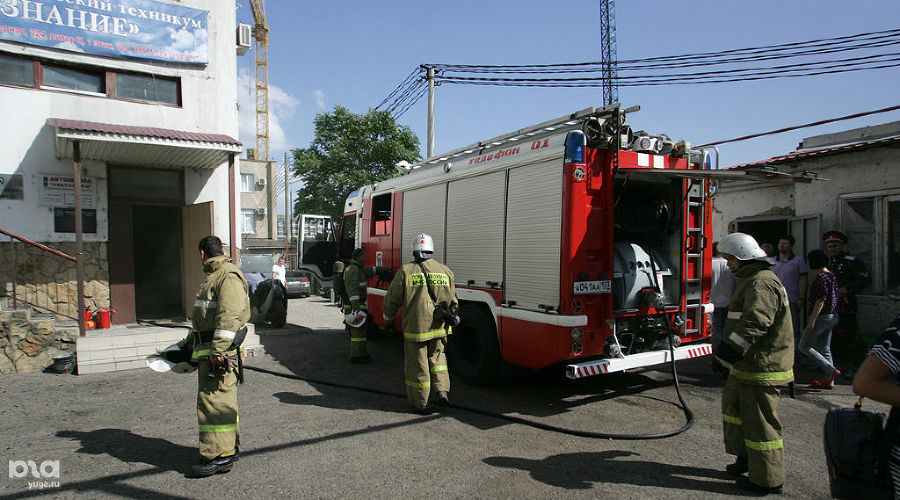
{"points": [[256, 264]]}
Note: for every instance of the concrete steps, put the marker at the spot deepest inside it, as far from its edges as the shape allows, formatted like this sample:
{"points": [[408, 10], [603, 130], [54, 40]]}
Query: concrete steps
{"points": [[126, 347]]}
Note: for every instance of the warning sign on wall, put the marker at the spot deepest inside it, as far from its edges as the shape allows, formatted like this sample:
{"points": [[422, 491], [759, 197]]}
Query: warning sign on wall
{"points": [[59, 191]]}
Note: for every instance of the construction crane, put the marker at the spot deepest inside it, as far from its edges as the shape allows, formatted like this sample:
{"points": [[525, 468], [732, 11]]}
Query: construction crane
{"points": [[608, 51], [261, 35]]}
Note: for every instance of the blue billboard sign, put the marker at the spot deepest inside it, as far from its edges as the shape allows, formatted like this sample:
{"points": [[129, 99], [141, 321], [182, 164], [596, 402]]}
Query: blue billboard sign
{"points": [[144, 29]]}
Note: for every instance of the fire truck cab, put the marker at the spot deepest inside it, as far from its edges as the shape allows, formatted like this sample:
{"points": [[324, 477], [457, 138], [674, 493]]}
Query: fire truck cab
{"points": [[576, 241]]}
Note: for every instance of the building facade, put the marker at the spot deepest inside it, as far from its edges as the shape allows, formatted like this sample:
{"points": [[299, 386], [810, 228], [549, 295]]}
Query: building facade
{"points": [[257, 200], [859, 195], [141, 97]]}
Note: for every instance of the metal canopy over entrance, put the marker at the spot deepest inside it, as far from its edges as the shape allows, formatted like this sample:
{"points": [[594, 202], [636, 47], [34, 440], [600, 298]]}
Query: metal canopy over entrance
{"points": [[142, 146]]}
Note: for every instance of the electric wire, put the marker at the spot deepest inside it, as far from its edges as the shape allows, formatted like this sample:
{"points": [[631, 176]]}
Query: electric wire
{"points": [[805, 125], [705, 64], [402, 84], [592, 83], [702, 55], [725, 66], [675, 77]]}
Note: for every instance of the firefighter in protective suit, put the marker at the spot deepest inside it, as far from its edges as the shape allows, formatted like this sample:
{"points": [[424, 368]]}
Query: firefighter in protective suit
{"points": [[356, 313], [758, 348], [221, 309], [420, 288]]}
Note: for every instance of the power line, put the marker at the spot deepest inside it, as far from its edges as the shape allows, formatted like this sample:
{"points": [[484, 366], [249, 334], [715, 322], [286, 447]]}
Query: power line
{"points": [[726, 66], [805, 125], [839, 66], [702, 55]]}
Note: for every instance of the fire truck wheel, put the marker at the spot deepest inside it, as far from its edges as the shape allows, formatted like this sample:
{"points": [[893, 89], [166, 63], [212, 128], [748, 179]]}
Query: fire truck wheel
{"points": [[472, 350]]}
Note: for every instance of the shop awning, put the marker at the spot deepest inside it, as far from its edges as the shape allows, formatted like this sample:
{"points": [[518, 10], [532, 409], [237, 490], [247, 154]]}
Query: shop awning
{"points": [[128, 145]]}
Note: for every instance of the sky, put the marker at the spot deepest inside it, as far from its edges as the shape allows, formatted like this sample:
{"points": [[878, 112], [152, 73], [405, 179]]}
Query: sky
{"points": [[353, 53]]}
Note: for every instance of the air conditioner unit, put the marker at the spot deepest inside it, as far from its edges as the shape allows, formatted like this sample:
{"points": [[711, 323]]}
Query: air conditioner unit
{"points": [[244, 35], [260, 211], [261, 182]]}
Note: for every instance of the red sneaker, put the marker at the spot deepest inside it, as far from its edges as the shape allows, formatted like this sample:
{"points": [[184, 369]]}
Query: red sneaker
{"points": [[822, 385]]}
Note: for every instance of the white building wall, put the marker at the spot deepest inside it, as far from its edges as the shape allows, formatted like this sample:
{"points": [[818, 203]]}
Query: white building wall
{"points": [[863, 171], [209, 105]]}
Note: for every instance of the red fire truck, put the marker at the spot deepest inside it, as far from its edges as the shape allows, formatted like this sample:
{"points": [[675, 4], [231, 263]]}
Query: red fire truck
{"points": [[575, 241]]}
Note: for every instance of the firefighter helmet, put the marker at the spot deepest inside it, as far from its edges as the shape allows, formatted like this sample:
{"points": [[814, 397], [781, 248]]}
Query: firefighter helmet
{"points": [[422, 246], [356, 318], [742, 247], [175, 358]]}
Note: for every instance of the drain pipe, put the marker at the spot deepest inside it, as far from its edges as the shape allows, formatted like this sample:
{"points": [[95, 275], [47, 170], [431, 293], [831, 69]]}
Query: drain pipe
{"points": [[79, 240]]}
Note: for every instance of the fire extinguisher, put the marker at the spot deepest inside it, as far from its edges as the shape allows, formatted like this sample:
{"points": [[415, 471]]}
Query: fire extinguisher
{"points": [[103, 317], [88, 319]]}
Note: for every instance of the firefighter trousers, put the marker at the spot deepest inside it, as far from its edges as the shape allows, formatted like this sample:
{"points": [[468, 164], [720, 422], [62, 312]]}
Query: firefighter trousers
{"points": [[425, 369], [751, 429], [358, 338], [217, 412]]}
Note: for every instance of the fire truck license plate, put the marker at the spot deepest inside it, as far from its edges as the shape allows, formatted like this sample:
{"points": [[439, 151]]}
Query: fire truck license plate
{"points": [[587, 287]]}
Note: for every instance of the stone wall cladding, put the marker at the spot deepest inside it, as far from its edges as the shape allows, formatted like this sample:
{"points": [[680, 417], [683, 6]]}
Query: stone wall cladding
{"points": [[48, 281], [28, 344]]}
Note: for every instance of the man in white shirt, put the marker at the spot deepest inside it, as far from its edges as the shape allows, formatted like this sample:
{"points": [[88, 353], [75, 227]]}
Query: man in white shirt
{"points": [[722, 288], [278, 272]]}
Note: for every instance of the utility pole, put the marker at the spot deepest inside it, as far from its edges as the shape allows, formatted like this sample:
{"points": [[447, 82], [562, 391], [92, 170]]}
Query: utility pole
{"points": [[287, 210], [430, 77]]}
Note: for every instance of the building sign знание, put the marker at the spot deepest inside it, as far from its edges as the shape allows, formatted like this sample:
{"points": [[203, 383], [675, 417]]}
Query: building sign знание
{"points": [[143, 29]]}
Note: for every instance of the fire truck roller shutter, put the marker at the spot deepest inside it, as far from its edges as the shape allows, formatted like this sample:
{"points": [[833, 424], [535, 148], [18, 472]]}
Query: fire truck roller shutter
{"points": [[533, 232], [423, 212], [475, 213]]}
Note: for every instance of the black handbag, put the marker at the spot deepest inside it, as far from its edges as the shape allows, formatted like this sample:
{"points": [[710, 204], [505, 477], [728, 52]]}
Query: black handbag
{"points": [[857, 451]]}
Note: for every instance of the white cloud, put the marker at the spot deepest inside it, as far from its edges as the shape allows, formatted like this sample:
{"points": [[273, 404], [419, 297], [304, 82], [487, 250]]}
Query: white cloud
{"points": [[188, 42], [320, 99], [69, 46], [281, 107]]}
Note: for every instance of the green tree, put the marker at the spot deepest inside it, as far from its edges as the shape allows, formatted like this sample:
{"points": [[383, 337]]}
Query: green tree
{"points": [[348, 152]]}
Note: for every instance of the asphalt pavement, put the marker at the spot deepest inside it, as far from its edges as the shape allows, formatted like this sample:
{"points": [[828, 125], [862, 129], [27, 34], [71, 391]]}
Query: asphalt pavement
{"points": [[133, 433]]}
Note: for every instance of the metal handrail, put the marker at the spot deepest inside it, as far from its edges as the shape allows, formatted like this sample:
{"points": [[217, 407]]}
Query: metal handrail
{"points": [[46, 287]]}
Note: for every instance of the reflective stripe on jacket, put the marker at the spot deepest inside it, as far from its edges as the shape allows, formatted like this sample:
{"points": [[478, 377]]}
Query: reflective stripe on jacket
{"points": [[759, 326]]}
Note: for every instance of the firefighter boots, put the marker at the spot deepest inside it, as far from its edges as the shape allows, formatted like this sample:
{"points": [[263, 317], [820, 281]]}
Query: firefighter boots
{"points": [[217, 465], [748, 485], [739, 467]]}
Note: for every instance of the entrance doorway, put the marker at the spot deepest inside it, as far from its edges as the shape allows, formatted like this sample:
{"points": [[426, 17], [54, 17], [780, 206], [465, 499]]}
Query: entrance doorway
{"points": [[146, 260], [158, 263]]}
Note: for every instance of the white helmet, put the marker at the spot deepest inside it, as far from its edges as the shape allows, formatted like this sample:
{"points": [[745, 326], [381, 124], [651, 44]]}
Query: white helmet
{"points": [[424, 244], [172, 359], [356, 318], [742, 247]]}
